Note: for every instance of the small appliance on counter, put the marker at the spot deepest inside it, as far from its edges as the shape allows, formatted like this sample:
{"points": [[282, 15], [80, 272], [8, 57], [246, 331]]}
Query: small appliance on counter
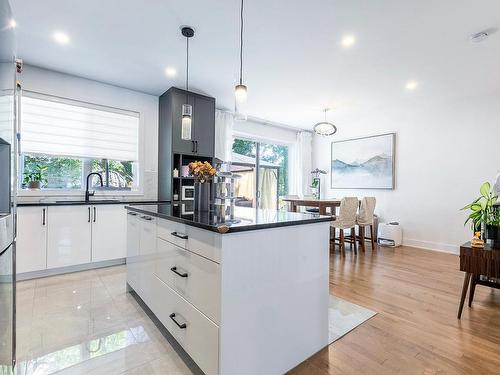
{"points": [[390, 234]]}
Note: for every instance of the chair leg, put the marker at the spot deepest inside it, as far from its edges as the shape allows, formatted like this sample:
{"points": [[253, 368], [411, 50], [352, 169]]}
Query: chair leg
{"points": [[362, 237], [371, 237], [342, 244], [353, 237]]}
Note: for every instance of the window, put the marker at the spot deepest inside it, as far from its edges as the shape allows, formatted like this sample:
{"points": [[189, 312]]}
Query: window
{"points": [[66, 140], [264, 173]]}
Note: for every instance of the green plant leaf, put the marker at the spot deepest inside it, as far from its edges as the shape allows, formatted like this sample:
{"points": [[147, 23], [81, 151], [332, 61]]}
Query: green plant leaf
{"points": [[485, 190]]}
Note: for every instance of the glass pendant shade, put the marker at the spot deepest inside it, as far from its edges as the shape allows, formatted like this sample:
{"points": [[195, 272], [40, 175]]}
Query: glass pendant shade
{"points": [[187, 114], [240, 94]]}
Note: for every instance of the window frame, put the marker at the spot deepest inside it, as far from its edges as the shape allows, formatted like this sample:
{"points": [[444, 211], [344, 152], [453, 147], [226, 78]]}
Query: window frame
{"points": [[258, 141], [138, 176]]}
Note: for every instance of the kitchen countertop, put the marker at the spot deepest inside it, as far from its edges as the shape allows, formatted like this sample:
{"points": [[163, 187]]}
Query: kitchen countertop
{"points": [[77, 202], [245, 218]]}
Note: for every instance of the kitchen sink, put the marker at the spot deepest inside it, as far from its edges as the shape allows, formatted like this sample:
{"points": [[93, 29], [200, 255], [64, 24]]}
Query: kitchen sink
{"points": [[89, 202]]}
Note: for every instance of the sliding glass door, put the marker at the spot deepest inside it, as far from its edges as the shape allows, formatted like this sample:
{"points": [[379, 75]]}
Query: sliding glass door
{"points": [[263, 168]]}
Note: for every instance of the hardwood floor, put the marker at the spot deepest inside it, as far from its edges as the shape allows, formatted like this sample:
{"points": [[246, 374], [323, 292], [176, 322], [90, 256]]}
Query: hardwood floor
{"points": [[416, 295]]}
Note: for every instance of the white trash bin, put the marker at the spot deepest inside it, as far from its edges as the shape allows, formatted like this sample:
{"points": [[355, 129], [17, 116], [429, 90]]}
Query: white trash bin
{"points": [[390, 234]]}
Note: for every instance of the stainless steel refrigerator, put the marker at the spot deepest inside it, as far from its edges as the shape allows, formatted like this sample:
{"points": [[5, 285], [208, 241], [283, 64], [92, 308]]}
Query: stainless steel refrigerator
{"points": [[8, 187]]}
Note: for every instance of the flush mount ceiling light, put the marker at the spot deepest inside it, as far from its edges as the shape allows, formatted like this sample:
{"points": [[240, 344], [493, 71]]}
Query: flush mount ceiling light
{"points": [[170, 72], [12, 23], [240, 90], [348, 41], [60, 37], [325, 128], [187, 109], [411, 85]]}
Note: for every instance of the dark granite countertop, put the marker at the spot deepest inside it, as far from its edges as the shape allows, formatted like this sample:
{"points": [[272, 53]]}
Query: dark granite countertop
{"points": [[245, 218], [78, 202]]}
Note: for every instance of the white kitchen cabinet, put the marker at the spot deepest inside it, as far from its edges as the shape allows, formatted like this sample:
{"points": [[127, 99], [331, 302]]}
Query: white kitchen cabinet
{"points": [[69, 236], [133, 250], [147, 256], [109, 225], [31, 247]]}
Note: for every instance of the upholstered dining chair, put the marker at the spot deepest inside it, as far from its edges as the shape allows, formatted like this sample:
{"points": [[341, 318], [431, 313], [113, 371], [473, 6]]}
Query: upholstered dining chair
{"points": [[364, 219], [346, 219]]}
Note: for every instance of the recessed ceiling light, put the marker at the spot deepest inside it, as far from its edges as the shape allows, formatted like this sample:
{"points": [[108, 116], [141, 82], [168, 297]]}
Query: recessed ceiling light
{"points": [[12, 23], [348, 41], [411, 85], [170, 72], [61, 37]]}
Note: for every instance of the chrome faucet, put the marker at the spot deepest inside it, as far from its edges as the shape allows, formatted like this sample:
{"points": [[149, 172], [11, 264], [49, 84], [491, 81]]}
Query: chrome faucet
{"points": [[88, 193]]}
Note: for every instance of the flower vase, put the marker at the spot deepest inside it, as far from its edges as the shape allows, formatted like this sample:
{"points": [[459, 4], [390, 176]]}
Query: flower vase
{"points": [[202, 196]]}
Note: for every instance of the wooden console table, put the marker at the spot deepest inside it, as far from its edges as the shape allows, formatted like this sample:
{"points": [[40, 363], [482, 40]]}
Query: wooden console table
{"points": [[476, 263]]}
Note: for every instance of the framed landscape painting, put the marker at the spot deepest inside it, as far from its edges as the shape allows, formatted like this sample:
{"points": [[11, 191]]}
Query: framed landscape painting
{"points": [[364, 163]]}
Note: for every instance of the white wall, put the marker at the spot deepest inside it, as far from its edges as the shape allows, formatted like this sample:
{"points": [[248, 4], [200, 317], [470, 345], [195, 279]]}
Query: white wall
{"points": [[444, 152], [76, 88]]}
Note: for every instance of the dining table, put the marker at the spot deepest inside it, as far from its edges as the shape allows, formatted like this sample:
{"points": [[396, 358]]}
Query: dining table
{"points": [[321, 204]]}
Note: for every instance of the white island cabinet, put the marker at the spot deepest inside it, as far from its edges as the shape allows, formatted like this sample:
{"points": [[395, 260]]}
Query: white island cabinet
{"points": [[253, 300]]}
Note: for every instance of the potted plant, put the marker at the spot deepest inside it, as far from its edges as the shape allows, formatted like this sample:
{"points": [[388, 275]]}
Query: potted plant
{"points": [[34, 178], [203, 173], [484, 214]]}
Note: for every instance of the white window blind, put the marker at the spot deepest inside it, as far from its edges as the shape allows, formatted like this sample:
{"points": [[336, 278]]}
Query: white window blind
{"points": [[61, 127]]}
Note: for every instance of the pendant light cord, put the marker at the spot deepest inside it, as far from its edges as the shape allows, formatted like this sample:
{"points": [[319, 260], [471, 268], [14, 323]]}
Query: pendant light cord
{"points": [[187, 64], [241, 43]]}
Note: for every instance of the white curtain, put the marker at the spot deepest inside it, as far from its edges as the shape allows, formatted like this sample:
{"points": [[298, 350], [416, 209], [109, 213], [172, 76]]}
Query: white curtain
{"points": [[223, 135], [302, 164]]}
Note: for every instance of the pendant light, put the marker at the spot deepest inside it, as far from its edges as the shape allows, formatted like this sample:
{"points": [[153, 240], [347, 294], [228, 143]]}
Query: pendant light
{"points": [[325, 128], [187, 109], [240, 90]]}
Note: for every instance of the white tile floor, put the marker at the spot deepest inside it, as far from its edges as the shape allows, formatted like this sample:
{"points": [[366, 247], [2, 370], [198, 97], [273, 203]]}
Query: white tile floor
{"points": [[86, 323]]}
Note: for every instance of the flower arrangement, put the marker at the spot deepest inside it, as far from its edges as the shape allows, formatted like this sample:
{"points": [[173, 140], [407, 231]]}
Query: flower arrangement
{"points": [[201, 171]]}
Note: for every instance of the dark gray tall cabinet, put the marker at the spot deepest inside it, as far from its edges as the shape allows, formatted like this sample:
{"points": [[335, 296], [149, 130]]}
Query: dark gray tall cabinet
{"points": [[174, 152]]}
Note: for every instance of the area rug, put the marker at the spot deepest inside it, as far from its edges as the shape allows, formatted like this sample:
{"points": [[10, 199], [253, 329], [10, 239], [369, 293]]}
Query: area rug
{"points": [[344, 316]]}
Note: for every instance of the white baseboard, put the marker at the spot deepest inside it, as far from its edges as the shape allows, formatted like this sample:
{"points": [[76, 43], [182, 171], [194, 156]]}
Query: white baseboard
{"points": [[435, 246], [68, 269]]}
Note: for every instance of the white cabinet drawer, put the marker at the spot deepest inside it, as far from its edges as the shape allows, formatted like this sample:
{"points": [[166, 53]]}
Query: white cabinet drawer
{"points": [[195, 333], [200, 241], [195, 278]]}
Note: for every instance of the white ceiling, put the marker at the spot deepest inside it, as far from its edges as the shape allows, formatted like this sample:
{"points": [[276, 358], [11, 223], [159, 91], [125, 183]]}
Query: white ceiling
{"points": [[294, 63]]}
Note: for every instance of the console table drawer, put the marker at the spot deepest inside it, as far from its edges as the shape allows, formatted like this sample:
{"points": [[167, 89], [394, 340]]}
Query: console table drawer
{"points": [[195, 278], [193, 331], [199, 241]]}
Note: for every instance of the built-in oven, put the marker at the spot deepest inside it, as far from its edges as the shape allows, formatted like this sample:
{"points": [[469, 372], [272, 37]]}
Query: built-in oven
{"points": [[187, 193]]}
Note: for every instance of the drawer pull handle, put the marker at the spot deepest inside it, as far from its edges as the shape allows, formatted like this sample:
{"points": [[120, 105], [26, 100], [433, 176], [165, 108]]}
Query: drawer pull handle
{"points": [[148, 218], [180, 235], [174, 270], [132, 213], [181, 326]]}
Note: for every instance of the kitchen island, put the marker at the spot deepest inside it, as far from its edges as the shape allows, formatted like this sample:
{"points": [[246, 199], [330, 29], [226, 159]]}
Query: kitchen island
{"points": [[249, 296]]}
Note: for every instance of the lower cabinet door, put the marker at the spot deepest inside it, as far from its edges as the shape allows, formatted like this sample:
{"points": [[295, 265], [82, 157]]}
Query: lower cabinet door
{"points": [[109, 228], [147, 257], [195, 332], [195, 278], [69, 236], [31, 243], [133, 246]]}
